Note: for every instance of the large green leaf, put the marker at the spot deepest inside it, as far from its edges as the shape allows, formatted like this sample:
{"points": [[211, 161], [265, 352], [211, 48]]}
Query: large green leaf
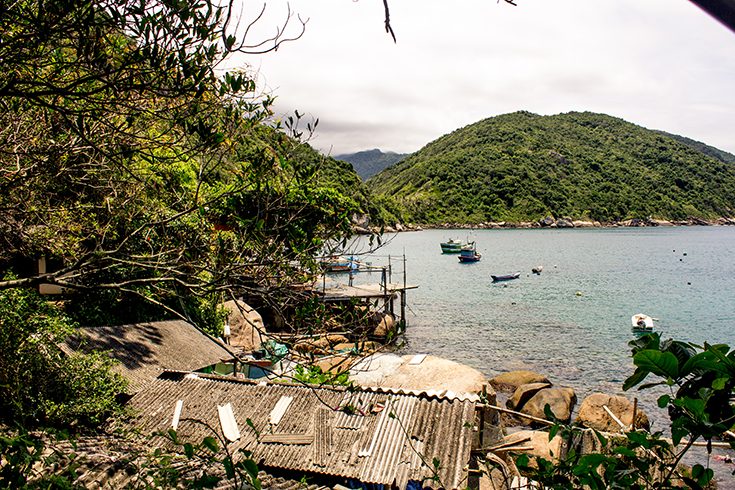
{"points": [[638, 376], [663, 364]]}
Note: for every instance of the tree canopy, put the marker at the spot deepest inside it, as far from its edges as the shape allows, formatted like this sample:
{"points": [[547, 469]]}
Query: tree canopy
{"points": [[147, 175], [522, 167]]}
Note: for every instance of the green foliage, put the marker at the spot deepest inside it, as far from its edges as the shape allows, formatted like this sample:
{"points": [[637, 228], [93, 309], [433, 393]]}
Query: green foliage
{"points": [[701, 382], [635, 460], [152, 179], [370, 162], [315, 375], [522, 167], [702, 391], [38, 383], [26, 459]]}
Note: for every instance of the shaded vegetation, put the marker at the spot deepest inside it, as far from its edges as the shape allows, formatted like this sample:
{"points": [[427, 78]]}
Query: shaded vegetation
{"points": [[522, 167], [708, 150], [370, 162]]}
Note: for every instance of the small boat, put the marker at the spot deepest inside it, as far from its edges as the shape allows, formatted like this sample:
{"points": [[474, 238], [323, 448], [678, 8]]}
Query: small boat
{"points": [[507, 277], [642, 323], [537, 270], [341, 264], [452, 246], [469, 253]]}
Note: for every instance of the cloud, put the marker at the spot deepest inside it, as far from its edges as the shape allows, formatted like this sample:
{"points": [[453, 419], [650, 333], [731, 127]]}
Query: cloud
{"points": [[660, 64]]}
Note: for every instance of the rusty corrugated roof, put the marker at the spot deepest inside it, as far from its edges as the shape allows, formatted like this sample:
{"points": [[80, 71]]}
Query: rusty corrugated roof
{"points": [[329, 431]]}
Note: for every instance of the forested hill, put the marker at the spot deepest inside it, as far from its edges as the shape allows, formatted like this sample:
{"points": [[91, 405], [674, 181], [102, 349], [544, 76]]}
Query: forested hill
{"points": [[522, 166], [721, 155], [370, 162]]}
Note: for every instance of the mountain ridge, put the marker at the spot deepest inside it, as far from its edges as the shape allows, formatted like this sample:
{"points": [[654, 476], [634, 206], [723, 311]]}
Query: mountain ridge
{"points": [[523, 166]]}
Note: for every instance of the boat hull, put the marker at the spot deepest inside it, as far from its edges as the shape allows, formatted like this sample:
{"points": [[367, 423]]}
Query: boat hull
{"points": [[506, 277], [642, 323], [452, 247]]}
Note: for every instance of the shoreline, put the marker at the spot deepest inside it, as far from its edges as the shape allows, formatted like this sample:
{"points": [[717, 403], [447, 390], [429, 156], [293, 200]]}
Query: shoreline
{"points": [[548, 222]]}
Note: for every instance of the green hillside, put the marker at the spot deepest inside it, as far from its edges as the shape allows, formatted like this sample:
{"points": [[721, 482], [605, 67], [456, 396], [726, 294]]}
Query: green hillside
{"points": [[370, 162], [522, 166], [721, 155]]}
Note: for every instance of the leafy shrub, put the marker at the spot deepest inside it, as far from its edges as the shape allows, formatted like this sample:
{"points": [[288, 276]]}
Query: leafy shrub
{"points": [[38, 382]]}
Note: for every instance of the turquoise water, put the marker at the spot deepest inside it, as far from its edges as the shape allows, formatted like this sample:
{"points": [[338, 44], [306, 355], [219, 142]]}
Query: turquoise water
{"points": [[682, 276]]}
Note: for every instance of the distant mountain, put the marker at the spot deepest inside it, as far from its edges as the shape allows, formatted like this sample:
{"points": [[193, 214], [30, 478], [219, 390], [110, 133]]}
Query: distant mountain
{"points": [[522, 167], [721, 155], [370, 162]]}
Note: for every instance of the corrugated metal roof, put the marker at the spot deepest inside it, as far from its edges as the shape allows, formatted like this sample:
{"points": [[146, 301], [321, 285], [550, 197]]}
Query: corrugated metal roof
{"points": [[319, 432], [146, 349]]}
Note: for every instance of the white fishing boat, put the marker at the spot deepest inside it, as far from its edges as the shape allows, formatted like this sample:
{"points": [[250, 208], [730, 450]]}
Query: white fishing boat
{"points": [[642, 323]]}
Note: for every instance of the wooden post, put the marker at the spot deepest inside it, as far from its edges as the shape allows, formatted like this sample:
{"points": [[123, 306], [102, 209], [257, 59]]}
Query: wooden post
{"points": [[635, 410], [481, 431]]}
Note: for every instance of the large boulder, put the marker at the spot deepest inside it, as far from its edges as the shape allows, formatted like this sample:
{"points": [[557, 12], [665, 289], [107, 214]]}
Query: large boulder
{"points": [[560, 400], [593, 415], [510, 381], [385, 325], [426, 374], [319, 345], [246, 326], [524, 393], [537, 443], [547, 221], [564, 222]]}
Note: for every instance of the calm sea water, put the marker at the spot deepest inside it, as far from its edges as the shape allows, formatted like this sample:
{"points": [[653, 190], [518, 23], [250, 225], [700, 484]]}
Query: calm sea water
{"points": [[571, 322]]}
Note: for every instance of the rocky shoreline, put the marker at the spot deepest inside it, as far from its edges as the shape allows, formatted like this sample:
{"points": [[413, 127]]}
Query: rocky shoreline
{"points": [[359, 225]]}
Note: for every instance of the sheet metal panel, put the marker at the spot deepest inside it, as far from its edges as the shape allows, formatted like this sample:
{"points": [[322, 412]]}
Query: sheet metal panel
{"points": [[420, 428]]}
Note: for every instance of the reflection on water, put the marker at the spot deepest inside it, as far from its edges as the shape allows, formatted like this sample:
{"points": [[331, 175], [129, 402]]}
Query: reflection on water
{"points": [[571, 322]]}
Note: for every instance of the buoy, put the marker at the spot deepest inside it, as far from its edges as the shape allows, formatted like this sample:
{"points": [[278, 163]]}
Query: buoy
{"points": [[579, 293]]}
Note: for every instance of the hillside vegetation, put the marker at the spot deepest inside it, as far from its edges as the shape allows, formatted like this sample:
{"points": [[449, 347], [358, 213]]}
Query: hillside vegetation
{"points": [[370, 162], [522, 166]]}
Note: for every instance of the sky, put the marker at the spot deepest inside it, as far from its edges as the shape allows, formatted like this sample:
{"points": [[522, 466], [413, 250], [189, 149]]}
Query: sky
{"points": [[660, 64]]}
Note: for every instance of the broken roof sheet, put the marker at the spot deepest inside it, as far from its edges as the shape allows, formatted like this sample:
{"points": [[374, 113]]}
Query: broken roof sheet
{"points": [[329, 431], [146, 349]]}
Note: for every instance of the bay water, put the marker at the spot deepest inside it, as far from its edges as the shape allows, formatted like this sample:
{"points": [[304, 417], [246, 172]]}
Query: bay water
{"points": [[572, 322]]}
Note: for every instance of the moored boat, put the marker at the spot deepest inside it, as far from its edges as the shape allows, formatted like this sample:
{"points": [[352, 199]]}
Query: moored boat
{"points": [[642, 323], [452, 246], [469, 253], [537, 270], [341, 263], [507, 277]]}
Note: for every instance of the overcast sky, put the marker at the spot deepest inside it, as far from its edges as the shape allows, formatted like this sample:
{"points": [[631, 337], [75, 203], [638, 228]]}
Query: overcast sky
{"points": [[661, 64]]}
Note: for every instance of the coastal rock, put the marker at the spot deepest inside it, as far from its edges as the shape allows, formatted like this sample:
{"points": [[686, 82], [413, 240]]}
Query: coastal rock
{"points": [[336, 363], [661, 222], [561, 401], [361, 220], [523, 393], [547, 221], [583, 224], [385, 324], [363, 348], [593, 415], [431, 374], [320, 345], [564, 222], [538, 444], [510, 381], [246, 325]]}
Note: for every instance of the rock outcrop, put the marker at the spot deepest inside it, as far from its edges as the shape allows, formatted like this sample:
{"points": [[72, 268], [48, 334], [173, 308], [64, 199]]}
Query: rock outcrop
{"points": [[560, 400], [510, 381], [593, 415], [246, 326], [524, 393]]}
